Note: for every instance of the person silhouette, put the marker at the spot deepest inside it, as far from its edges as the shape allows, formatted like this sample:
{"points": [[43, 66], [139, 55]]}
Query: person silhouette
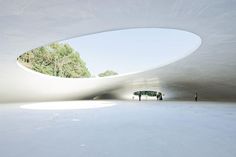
{"points": [[139, 96], [196, 96], [161, 98]]}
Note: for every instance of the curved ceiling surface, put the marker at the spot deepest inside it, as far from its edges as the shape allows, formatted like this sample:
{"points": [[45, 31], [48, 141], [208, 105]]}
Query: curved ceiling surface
{"points": [[27, 24]]}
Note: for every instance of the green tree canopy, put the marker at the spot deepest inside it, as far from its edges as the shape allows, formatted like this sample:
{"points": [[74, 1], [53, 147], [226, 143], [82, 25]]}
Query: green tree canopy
{"points": [[107, 73], [148, 93], [56, 60]]}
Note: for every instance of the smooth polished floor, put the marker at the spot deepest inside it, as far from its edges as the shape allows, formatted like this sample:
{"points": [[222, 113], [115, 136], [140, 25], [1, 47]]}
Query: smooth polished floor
{"points": [[118, 129]]}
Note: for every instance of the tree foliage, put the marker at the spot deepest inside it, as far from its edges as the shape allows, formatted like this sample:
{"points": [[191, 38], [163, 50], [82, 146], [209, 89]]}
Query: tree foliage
{"points": [[107, 73], [56, 60], [148, 93]]}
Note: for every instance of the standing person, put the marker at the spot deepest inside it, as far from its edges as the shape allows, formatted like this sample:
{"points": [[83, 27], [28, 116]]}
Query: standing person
{"points": [[139, 96], [196, 96], [161, 98], [157, 96]]}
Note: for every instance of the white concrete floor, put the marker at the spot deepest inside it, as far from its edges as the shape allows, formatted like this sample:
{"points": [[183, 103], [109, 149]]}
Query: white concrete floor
{"points": [[127, 129]]}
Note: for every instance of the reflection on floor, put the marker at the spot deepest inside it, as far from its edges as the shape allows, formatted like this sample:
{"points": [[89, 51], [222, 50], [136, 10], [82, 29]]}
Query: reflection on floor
{"points": [[128, 128], [69, 105]]}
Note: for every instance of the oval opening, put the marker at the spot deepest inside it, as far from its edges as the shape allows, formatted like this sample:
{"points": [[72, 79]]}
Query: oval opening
{"points": [[112, 53]]}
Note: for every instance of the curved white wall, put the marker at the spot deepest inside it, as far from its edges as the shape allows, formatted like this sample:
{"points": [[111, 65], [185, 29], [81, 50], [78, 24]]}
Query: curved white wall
{"points": [[29, 24]]}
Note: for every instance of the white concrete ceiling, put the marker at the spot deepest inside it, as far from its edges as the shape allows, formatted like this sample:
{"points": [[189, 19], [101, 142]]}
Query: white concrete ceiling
{"points": [[27, 24]]}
